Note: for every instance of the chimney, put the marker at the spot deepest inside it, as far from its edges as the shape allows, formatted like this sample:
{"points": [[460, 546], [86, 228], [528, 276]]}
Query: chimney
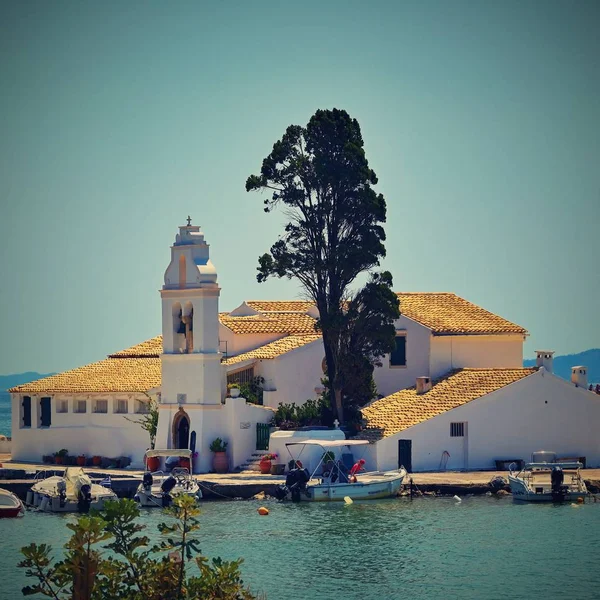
{"points": [[544, 358], [579, 377], [423, 384]]}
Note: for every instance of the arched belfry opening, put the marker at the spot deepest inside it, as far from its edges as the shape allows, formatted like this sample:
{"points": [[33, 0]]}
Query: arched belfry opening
{"points": [[188, 322], [178, 328], [181, 430]]}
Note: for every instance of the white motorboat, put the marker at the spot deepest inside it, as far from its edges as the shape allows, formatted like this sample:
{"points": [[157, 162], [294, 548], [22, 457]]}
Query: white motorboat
{"points": [[548, 482], [72, 492], [159, 487], [10, 505], [337, 481]]}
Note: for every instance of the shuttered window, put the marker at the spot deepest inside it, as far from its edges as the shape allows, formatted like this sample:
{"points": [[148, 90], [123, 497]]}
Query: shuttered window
{"points": [[398, 356], [26, 405], [245, 376], [457, 430], [45, 415]]}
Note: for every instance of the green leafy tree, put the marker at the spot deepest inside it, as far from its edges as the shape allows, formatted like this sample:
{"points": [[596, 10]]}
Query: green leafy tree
{"points": [[133, 570], [149, 421], [320, 175]]}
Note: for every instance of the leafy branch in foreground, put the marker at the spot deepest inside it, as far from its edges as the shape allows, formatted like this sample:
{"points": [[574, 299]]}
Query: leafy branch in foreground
{"points": [[132, 570]]}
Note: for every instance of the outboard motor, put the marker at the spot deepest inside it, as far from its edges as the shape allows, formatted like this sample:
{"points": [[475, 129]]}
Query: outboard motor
{"points": [[559, 491], [147, 481], [84, 498], [166, 487], [61, 488], [295, 484]]}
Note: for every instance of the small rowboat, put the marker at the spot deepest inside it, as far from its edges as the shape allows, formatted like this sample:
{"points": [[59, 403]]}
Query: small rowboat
{"points": [[10, 505]]}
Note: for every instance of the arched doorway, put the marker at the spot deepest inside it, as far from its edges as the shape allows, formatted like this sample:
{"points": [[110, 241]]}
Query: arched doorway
{"points": [[181, 430]]}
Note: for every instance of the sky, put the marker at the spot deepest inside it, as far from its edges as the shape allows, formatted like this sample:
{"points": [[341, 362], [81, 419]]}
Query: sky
{"points": [[118, 119]]}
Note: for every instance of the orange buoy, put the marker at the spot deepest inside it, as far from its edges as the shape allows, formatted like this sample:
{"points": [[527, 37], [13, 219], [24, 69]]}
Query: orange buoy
{"points": [[263, 511]]}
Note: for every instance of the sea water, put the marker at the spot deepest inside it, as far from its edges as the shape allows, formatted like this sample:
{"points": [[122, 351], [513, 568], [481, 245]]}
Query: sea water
{"points": [[426, 548], [4, 415]]}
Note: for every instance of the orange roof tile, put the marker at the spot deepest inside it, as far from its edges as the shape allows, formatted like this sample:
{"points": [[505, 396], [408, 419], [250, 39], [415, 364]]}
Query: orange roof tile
{"points": [[109, 375], [280, 305], [446, 313], [282, 322], [274, 349], [406, 408], [150, 348]]}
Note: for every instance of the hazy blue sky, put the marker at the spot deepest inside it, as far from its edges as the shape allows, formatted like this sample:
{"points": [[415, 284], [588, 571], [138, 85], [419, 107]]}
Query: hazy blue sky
{"points": [[117, 119]]}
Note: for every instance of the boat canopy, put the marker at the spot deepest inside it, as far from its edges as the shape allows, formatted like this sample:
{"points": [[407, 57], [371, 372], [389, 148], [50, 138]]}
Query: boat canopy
{"points": [[170, 452], [546, 465], [329, 443]]}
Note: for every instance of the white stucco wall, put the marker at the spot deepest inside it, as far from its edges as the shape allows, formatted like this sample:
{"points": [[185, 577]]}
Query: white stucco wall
{"points": [[103, 434], [475, 351], [234, 422], [233, 344], [293, 375], [391, 379], [539, 412]]}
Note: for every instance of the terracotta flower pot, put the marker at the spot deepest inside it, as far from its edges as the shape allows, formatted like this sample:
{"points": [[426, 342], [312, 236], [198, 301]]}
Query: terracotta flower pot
{"points": [[220, 462], [265, 467], [58, 460], [96, 460], [153, 463], [81, 461], [184, 463]]}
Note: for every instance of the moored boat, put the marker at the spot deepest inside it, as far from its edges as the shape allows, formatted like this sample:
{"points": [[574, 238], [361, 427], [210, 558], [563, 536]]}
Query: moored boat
{"points": [[10, 505], [337, 481], [548, 482], [72, 492], [160, 486]]}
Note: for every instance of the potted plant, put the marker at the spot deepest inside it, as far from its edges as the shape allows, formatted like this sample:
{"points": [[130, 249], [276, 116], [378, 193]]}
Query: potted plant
{"points": [[81, 460], [96, 461], [59, 456], [233, 389], [265, 463], [219, 449]]}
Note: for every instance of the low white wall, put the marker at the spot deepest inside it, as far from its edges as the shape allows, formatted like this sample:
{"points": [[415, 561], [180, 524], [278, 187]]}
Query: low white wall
{"points": [[103, 434], [539, 412]]}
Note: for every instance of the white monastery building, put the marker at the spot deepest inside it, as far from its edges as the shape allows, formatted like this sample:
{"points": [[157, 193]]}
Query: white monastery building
{"points": [[454, 392]]}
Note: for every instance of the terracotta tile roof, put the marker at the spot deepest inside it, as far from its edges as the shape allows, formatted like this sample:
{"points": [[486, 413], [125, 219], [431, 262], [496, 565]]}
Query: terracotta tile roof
{"points": [[281, 322], [280, 305], [274, 349], [150, 348], [109, 375], [406, 408], [446, 313]]}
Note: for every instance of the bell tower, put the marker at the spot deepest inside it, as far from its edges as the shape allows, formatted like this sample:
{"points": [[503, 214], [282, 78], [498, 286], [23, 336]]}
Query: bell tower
{"points": [[190, 362]]}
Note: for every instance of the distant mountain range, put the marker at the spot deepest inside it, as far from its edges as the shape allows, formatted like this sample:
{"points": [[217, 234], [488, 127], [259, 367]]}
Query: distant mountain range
{"points": [[8, 381], [562, 364]]}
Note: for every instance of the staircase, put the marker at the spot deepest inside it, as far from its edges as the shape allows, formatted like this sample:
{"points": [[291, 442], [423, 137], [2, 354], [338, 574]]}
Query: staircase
{"points": [[252, 463]]}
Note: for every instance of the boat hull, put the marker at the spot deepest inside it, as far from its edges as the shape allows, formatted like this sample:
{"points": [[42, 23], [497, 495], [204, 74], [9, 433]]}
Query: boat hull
{"points": [[10, 505], [523, 493], [372, 486], [154, 498]]}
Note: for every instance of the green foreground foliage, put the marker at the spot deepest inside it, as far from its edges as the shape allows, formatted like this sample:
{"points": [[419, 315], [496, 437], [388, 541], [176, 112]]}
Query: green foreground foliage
{"points": [[132, 570]]}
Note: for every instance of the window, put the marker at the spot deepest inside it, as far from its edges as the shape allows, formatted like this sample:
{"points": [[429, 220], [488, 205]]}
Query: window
{"points": [[141, 407], [80, 406], [245, 376], [100, 406], [62, 406], [26, 406], [457, 430], [121, 407], [398, 356], [45, 414]]}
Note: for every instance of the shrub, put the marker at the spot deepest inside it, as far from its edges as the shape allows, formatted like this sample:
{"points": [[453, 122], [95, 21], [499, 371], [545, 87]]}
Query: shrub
{"points": [[218, 445]]}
